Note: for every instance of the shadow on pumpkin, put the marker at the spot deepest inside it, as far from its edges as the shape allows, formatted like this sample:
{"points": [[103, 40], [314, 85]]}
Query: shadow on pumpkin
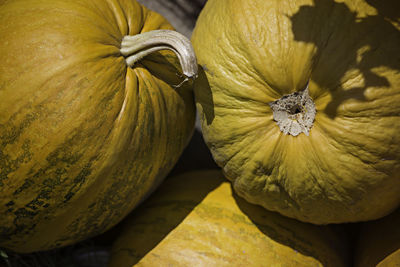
{"points": [[166, 66], [158, 216], [390, 9], [205, 98], [346, 41], [301, 237], [379, 242]]}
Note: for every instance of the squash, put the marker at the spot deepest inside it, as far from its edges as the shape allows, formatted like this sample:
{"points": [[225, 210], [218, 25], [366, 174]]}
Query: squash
{"points": [[93, 115], [299, 103], [194, 219], [379, 242]]}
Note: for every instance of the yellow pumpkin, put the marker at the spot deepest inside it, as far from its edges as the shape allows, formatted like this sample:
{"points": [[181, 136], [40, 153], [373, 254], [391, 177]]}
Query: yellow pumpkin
{"points": [[300, 104], [195, 219], [87, 128], [378, 243]]}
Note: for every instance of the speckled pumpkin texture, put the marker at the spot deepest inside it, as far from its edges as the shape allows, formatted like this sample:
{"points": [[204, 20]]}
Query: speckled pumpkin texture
{"points": [[348, 53], [195, 219], [83, 137]]}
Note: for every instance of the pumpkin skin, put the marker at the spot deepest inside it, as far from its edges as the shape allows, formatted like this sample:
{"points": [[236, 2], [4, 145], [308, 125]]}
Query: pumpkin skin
{"points": [[83, 137], [256, 52], [379, 243], [195, 219]]}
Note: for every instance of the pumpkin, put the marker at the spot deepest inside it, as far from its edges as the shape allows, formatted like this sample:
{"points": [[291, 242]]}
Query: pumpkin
{"points": [[299, 103], [93, 115], [379, 242], [195, 219]]}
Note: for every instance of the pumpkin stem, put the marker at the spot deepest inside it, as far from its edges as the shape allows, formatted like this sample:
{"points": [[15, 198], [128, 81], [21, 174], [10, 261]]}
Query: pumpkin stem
{"points": [[135, 47], [294, 113]]}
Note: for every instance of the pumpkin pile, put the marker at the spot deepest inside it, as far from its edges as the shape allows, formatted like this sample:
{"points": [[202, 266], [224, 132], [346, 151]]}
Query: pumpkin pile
{"points": [[299, 105]]}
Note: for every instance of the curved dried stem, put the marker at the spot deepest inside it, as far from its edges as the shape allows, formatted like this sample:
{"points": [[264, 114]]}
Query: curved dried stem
{"points": [[135, 47]]}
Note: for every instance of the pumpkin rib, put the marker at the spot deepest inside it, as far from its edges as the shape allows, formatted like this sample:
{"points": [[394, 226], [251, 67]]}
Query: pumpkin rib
{"points": [[347, 145], [128, 94], [237, 60], [230, 58], [269, 184], [350, 63], [74, 160], [355, 156], [195, 219], [120, 16]]}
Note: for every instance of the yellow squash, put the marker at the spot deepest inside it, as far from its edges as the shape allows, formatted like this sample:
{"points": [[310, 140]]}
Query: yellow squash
{"points": [[89, 126], [195, 219], [379, 243], [300, 103]]}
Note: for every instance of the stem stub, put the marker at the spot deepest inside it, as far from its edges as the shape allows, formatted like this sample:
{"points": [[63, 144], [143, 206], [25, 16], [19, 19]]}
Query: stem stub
{"points": [[294, 113]]}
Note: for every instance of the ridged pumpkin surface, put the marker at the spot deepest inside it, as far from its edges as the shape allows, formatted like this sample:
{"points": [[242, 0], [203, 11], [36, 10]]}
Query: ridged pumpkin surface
{"points": [[348, 53], [195, 219], [83, 137], [379, 243]]}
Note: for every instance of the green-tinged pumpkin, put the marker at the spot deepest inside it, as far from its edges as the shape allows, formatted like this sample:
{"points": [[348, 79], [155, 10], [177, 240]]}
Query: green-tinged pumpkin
{"points": [[195, 219], [379, 243], [83, 137], [300, 104]]}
